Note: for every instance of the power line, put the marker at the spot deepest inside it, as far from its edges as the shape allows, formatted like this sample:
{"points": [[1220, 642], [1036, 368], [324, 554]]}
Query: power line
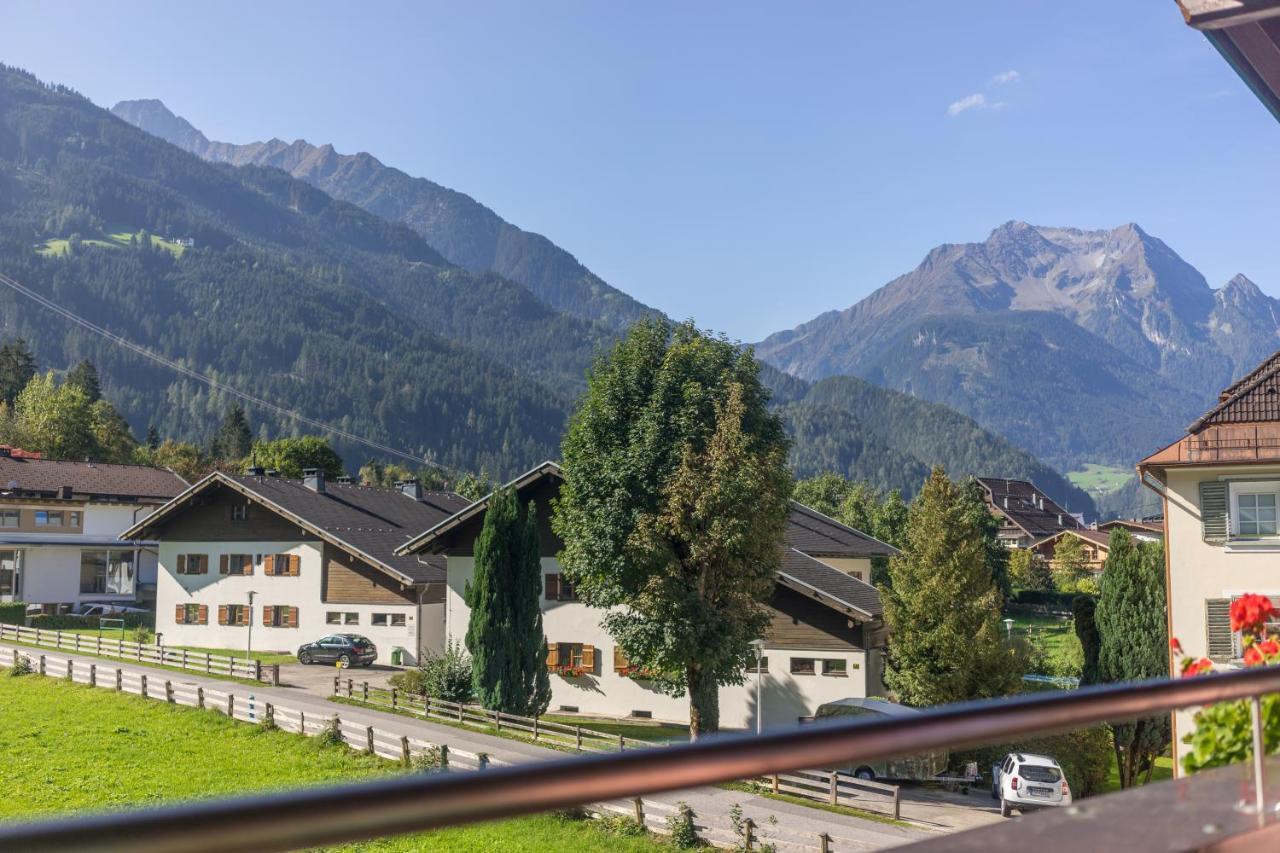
{"points": [[208, 380]]}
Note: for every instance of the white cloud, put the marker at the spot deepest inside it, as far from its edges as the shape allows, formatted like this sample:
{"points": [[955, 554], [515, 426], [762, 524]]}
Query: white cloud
{"points": [[976, 101], [1010, 76]]}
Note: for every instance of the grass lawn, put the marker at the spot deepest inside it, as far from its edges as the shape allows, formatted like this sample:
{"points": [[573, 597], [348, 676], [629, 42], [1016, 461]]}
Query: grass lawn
{"points": [[263, 657], [1162, 773], [72, 748], [114, 240], [1052, 633], [1100, 478]]}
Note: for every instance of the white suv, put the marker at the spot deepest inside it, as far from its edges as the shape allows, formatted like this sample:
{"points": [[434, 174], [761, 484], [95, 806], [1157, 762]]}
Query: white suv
{"points": [[1024, 781]]}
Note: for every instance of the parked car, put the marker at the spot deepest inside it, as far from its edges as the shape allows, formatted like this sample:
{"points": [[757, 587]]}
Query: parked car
{"points": [[1024, 781], [920, 767], [106, 608], [347, 649]]}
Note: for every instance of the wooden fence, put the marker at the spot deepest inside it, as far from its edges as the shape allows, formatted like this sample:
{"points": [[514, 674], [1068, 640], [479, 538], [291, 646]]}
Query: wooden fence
{"points": [[146, 653], [580, 738], [837, 788]]}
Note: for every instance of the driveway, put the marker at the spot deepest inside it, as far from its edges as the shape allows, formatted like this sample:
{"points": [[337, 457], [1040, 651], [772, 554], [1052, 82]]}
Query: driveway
{"points": [[317, 678]]}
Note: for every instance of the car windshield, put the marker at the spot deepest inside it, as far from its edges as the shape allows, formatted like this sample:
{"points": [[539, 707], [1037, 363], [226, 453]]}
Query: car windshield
{"points": [[1040, 773]]}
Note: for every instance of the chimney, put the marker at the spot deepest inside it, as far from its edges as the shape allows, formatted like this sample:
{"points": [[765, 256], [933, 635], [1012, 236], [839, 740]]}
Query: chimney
{"points": [[1006, 501], [410, 487], [313, 479], [255, 471], [1059, 519], [344, 480]]}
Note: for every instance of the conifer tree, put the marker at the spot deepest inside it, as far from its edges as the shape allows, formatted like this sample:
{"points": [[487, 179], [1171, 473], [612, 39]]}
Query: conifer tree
{"points": [[17, 368], [85, 377], [943, 606], [491, 594], [1084, 610], [530, 640], [153, 437], [234, 438]]}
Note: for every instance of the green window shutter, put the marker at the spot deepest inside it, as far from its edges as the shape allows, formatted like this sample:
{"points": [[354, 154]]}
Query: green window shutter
{"points": [[1217, 625], [1213, 511]]}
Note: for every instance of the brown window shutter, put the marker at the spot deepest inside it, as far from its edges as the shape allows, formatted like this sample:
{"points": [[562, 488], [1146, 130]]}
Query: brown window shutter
{"points": [[180, 616], [269, 564], [620, 661], [295, 564], [202, 615], [553, 587], [242, 616], [589, 658], [224, 564], [246, 564], [553, 653], [204, 563], [293, 617], [222, 615], [182, 564], [268, 615]]}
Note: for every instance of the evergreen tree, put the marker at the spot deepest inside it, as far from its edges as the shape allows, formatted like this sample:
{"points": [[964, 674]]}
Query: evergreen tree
{"points": [[1134, 643], [997, 553], [153, 437], [943, 606], [234, 439], [889, 525], [1084, 611], [493, 637], [530, 640], [17, 368], [85, 377]]}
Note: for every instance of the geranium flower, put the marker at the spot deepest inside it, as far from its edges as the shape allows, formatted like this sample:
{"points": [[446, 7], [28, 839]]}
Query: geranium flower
{"points": [[1249, 612], [1253, 657], [1196, 667]]}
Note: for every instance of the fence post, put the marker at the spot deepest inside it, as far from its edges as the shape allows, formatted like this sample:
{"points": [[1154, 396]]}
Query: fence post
{"points": [[184, 658], [337, 685], [231, 705], [271, 715], [257, 670], [275, 675], [98, 644], [535, 728], [622, 742], [368, 733], [42, 664], [749, 837], [364, 688], [897, 802], [302, 722], [168, 690], [426, 707], [71, 670], [119, 679], [93, 675], [144, 685], [119, 647], [348, 688], [497, 718], [460, 712], [824, 843], [393, 698], [482, 760], [200, 697], [832, 778], [404, 750], [577, 737], [444, 756], [775, 783], [639, 803]]}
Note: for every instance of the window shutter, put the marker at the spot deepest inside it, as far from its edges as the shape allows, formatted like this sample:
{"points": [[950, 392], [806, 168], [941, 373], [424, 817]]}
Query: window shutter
{"points": [[268, 615], [242, 615], [182, 564], [553, 587], [589, 658], [553, 654], [619, 659], [1213, 511], [203, 560], [269, 564], [246, 564], [202, 615], [293, 617], [1219, 639], [222, 615], [180, 615], [295, 564], [224, 564]]}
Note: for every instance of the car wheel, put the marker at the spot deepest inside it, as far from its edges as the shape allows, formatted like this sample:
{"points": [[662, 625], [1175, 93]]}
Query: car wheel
{"points": [[1004, 807], [304, 658], [345, 660], [865, 773]]}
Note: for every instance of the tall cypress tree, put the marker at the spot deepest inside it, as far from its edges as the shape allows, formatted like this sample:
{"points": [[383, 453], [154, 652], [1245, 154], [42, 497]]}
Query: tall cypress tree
{"points": [[531, 642], [492, 631]]}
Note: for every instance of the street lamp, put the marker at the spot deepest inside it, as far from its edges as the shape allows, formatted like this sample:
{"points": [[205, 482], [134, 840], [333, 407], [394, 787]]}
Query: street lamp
{"points": [[758, 645], [248, 644], [1008, 628]]}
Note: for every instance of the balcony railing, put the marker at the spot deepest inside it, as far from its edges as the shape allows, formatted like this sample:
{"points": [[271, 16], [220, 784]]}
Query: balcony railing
{"points": [[331, 815], [1232, 444]]}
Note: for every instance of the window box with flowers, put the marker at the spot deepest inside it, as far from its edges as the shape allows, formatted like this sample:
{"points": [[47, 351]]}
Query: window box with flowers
{"points": [[571, 660], [624, 667]]}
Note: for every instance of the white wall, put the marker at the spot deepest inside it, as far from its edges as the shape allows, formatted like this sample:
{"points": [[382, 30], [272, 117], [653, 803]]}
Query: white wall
{"points": [[303, 592], [787, 697]]}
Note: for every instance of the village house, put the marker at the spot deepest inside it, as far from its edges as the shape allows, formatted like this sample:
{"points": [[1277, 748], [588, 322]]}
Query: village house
{"points": [[1143, 531], [1027, 515], [297, 559], [1094, 543], [60, 530], [826, 641], [1220, 484]]}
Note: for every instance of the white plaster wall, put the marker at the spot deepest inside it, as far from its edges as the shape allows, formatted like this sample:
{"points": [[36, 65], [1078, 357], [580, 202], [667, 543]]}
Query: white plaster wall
{"points": [[786, 697], [51, 574], [303, 592]]}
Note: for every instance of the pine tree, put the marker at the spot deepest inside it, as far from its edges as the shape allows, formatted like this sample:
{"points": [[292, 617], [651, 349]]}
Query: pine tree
{"points": [[17, 368], [1084, 612], [234, 438], [85, 377], [492, 638], [1134, 643], [943, 606], [529, 637], [153, 437]]}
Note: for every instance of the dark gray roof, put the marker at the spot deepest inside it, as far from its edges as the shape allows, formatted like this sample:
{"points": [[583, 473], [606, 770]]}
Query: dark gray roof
{"points": [[369, 522], [830, 582], [45, 478], [814, 533], [1028, 507]]}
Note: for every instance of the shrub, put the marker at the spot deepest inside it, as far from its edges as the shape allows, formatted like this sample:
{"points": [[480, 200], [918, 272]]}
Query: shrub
{"points": [[1056, 601], [1085, 755], [331, 734], [430, 760], [22, 666], [65, 621], [621, 825], [13, 613], [681, 829], [442, 676]]}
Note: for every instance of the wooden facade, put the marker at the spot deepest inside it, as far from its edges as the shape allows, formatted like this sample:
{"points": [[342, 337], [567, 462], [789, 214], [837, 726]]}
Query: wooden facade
{"points": [[347, 580], [462, 540], [799, 622], [208, 518]]}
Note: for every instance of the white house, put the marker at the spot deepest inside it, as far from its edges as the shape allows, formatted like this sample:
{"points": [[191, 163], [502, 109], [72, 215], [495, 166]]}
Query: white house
{"points": [[826, 641], [297, 560], [60, 530], [1221, 488]]}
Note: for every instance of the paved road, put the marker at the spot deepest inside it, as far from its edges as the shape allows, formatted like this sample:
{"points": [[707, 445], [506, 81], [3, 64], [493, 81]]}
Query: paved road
{"points": [[307, 689]]}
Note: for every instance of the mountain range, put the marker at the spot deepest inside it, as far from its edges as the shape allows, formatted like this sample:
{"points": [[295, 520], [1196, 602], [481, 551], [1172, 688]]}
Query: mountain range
{"points": [[1082, 346], [325, 307]]}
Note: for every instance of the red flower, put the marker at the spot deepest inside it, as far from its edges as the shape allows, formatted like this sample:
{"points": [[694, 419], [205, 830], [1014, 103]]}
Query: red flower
{"points": [[1175, 646], [1253, 657], [1269, 649], [1190, 667], [1249, 612]]}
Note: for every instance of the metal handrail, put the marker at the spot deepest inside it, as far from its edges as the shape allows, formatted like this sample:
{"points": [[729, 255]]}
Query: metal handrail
{"points": [[330, 815]]}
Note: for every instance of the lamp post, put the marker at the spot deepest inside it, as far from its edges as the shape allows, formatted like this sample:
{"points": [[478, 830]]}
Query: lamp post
{"points": [[248, 644], [1008, 628], [758, 645]]}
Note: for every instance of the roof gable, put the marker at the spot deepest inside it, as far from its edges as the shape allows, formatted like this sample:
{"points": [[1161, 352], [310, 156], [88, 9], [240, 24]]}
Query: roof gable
{"points": [[1020, 501], [87, 480], [1255, 398]]}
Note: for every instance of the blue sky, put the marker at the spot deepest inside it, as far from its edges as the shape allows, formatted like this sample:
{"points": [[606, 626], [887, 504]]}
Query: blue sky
{"points": [[744, 164]]}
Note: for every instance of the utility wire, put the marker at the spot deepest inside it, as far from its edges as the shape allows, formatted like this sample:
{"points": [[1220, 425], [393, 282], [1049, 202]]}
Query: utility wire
{"points": [[208, 380]]}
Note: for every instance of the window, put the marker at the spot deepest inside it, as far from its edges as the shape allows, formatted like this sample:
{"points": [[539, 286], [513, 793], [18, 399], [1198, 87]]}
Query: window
{"points": [[804, 666], [559, 589], [280, 616], [350, 618], [384, 619], [571, 658], [106, 572], [192, 614], [762, 667], [835, 667], [193, 564], [239, 512], [281, 564], [235, 564], [75, 519], [337, 617], [332, 618], [233, 614], [10, 518], [10, 574], [1257, 514], [48, 518]]}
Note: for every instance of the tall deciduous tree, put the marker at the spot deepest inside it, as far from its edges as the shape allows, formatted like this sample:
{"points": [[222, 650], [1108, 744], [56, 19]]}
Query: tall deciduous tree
{"points": [[492, 594], [1134, 643], [674, 505], [1070, 564], [56, 420], [943, 606], [17, 368], [291, 456]]}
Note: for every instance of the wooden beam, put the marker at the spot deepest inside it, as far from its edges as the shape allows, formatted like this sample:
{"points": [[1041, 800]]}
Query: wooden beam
{"points": [[1216, 14]]}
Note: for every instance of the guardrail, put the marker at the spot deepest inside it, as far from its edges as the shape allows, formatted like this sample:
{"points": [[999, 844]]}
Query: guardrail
{"points": [[146, 653], [580, 738]]}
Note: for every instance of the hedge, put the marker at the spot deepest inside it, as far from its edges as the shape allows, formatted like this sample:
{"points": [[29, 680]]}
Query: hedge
{"points": [[1086, 756], [13, 613], [1061, 600], [46, 622]]}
